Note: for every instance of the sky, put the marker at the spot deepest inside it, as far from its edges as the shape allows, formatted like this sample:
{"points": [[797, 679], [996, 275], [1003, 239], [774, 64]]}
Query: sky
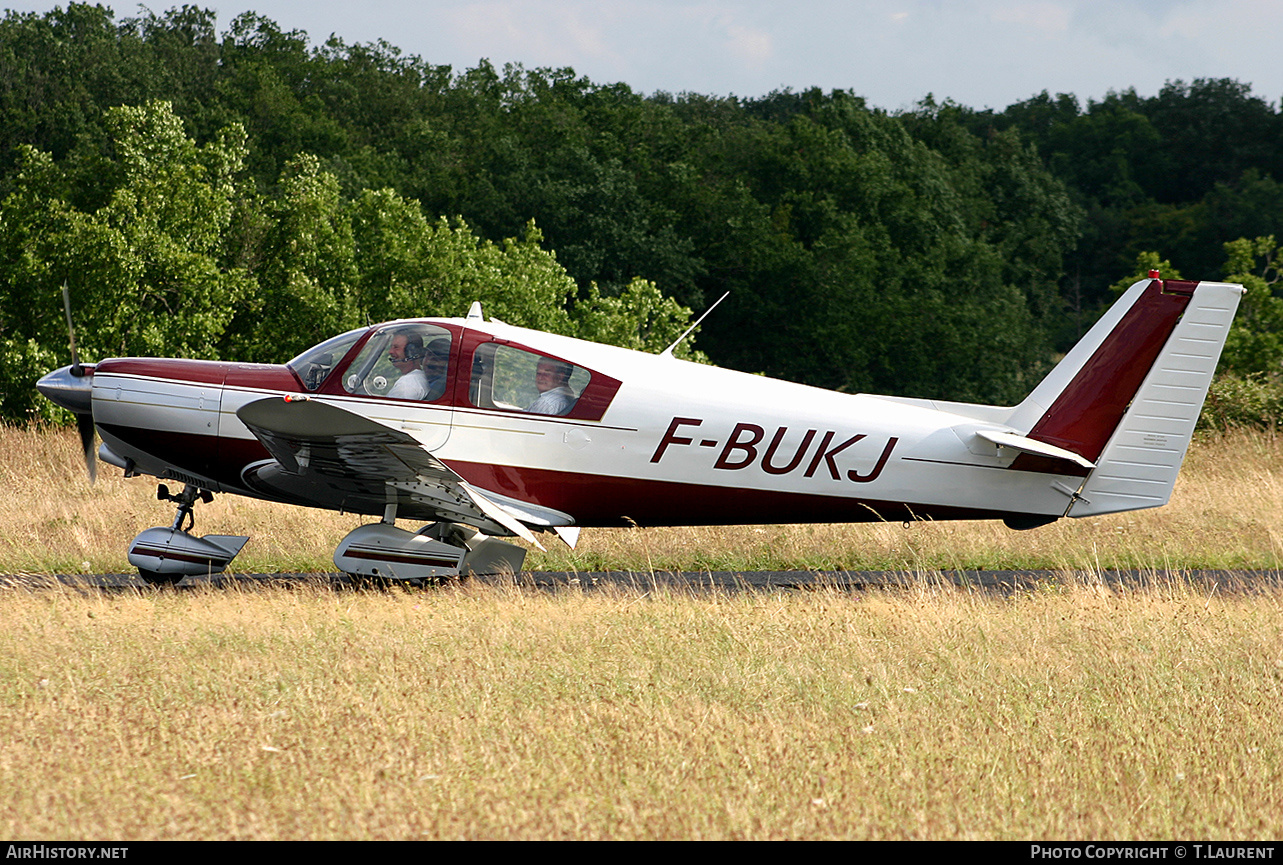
{"points": [[980, 53]]}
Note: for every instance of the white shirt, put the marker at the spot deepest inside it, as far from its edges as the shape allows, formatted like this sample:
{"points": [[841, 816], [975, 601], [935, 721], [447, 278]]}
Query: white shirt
{"points": [[412, 385], [559, 400]]}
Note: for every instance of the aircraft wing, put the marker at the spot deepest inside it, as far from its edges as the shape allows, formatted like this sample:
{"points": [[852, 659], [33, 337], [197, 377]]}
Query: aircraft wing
{"points": [[328, 456]]}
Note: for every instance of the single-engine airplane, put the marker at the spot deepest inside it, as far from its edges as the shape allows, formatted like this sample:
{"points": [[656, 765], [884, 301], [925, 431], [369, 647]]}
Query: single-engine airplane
{"points": [[487, 431]]}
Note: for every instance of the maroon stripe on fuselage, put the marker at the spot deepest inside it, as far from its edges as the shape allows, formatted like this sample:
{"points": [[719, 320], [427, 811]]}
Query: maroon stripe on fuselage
{"points": [[187, 452], [600, 500], [593, 500], [176, 369], [219, 459], [254, 376], [262, 376], [1090, 408]]}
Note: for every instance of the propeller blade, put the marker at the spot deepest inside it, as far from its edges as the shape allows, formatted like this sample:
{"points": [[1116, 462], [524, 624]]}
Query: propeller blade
{"points": [[85, 423], [76, 369], [84, 419]]}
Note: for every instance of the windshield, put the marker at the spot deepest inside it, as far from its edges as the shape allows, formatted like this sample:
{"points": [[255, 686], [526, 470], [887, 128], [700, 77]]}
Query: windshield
{"points": [[314, 365]]}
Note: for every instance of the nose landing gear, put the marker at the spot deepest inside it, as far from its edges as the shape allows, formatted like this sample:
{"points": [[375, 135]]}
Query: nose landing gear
{"points": [[164, 556]]}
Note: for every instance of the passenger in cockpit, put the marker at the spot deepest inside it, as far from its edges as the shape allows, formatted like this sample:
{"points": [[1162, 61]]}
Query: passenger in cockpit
{"points": [[552, 379], [406, 355]]}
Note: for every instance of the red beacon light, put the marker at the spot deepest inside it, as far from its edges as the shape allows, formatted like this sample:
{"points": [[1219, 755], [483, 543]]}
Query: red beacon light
{"points": [[1153, 274]]}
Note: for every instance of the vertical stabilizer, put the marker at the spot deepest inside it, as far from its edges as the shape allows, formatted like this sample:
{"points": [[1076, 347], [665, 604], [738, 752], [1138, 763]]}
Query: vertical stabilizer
{"points": [[1138, 464], [1081, 402]]}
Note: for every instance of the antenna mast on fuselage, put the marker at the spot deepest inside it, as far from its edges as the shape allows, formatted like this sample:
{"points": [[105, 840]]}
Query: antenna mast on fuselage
{"points": [[668, 352]]}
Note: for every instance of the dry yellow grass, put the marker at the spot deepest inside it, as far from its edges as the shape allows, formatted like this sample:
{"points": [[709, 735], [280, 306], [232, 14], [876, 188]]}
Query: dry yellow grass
{"points": [[492, 712], [1227, 512]]}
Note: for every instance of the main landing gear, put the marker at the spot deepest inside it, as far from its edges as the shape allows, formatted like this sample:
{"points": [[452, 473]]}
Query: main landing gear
{"points": [[384, 553], [164, 556]]}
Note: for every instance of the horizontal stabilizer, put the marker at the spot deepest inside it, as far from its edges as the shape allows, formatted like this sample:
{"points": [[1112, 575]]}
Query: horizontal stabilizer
{"points": [[1029, 446]]}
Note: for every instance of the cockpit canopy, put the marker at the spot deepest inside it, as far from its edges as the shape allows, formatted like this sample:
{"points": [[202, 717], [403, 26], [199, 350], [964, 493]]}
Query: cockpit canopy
{"points": [[447, 364]]}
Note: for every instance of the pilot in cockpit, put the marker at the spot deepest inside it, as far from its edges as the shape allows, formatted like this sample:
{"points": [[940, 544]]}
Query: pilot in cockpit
{"points": [[406, 355], [435, 362], [552, 379]]}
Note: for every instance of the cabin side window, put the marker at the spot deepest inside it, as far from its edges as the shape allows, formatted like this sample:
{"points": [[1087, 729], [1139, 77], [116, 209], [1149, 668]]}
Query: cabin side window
{"points": [[512, 379], [402, 361]]}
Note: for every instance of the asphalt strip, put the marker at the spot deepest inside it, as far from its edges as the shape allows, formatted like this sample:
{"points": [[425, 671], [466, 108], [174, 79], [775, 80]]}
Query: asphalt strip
{"points": [[1001, 582]]}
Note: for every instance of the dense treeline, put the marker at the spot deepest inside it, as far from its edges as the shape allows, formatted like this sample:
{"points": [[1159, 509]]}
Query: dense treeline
{"points": [[1182, 172], [244, 193]]}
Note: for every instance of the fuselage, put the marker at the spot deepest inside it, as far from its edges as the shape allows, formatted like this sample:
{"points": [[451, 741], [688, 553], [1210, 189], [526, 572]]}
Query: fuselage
{"points": [[653, 440]]}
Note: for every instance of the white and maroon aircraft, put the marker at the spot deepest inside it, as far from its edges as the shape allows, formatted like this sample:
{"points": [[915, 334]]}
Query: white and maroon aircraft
{"points": [[499, 431]]}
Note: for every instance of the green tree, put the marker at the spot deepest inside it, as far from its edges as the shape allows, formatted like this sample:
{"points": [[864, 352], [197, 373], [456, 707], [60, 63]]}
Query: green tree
{"points": [[640, 317], [146, 267], [58, 71], [1255, 343], [1248, 388], [1146, 263], [305, 270]]}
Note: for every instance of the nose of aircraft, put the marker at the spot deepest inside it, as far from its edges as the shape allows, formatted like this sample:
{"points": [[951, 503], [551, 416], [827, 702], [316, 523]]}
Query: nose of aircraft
{"points": [[71, 391], [72, 387]]}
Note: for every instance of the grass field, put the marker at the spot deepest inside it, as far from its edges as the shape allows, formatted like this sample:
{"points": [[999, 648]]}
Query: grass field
{"points": [[1071, 711], [493, 712]]}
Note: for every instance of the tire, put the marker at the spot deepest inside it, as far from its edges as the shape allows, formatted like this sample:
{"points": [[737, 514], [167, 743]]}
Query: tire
{"points": [[152, 578], [365, 582]]}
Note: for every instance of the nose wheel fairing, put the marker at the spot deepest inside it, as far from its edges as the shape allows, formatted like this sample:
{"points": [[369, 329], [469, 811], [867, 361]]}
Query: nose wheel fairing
{"points": [[168, 555]]}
